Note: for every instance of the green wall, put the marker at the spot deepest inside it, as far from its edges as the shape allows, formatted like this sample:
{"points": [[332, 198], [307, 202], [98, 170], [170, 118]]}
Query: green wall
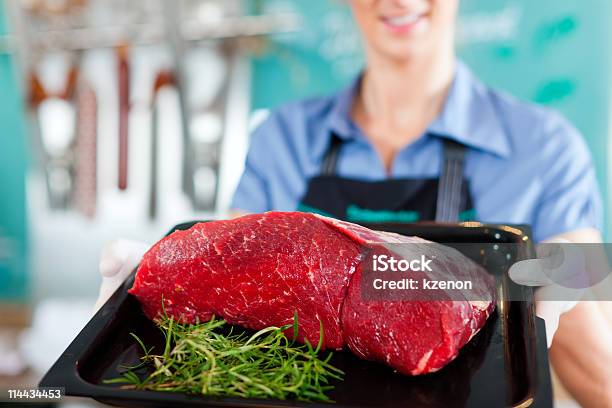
{"points": [[554, 52], [559, 57], [13, 232]]}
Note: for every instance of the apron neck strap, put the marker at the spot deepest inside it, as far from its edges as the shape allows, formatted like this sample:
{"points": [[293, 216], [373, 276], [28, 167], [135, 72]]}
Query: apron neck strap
{"points": [[450, 184], [330, 160]]}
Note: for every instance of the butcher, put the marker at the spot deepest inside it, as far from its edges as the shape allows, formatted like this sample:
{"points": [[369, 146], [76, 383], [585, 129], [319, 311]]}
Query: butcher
{"points": [[418, 137]]}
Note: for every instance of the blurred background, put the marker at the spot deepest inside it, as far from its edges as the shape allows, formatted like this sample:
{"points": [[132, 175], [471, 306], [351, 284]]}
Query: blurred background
{"points": [[123, 118]]}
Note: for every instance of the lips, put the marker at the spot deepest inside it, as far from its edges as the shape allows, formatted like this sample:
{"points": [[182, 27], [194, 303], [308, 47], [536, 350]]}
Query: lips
{"points": [[404, 23]]}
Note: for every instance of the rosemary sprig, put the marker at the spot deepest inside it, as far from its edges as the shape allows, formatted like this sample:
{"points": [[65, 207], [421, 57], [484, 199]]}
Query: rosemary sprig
{"points": [[199, 359]]}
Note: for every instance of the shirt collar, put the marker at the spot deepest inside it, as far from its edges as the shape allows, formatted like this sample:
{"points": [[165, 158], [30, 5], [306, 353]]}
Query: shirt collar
{"points": [[339, 120], [469, 115]]}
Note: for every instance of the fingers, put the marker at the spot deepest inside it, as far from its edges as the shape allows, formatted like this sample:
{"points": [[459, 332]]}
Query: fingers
{"points": [[110, 266], [529, 272], [560, 295], [112, 258], [118, 255], [567, 265], [107, 288], [559, 263], [549, 311], [117, 261]]}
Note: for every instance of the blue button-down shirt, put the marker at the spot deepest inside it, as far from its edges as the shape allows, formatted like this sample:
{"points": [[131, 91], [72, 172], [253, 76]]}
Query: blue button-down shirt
{"points": [[526, 164]]}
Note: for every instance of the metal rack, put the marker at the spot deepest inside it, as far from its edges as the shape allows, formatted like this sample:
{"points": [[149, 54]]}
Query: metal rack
{"points": [[79, 39], [180, 26]]}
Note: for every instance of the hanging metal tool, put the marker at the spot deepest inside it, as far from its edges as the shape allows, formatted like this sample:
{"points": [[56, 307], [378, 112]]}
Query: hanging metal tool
{"points": [[85, 151], [177, 47], [123, 77], [208, 120], [163, 79], [54, 113]]}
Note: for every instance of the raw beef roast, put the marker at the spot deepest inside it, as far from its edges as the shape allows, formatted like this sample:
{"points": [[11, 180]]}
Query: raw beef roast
{"points": [[255, 271]]}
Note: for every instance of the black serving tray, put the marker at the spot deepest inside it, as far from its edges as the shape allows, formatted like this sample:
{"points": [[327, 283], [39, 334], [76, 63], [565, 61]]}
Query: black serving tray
{"points": [[505, 364]]}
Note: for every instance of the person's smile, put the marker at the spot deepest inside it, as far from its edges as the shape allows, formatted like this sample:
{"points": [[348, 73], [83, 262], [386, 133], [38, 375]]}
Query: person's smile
{"points": [[406, 22]]}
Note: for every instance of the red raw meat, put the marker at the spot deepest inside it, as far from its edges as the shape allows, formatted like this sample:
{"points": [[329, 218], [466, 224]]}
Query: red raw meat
{"points": [[255, 271]]}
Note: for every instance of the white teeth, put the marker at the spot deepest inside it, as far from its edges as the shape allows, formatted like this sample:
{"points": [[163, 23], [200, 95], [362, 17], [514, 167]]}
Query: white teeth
{"points": [[403, 20]]}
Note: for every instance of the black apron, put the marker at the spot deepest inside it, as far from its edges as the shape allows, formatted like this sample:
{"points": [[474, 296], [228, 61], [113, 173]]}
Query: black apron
{"points": [[408, 200]]}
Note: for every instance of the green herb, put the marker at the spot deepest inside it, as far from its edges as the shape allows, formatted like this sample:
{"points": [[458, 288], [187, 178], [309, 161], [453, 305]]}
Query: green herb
{"points": [[199, 359]]}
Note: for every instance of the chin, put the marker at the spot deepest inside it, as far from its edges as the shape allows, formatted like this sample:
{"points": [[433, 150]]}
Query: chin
{"points": [[405, 51], [407, 45]]}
